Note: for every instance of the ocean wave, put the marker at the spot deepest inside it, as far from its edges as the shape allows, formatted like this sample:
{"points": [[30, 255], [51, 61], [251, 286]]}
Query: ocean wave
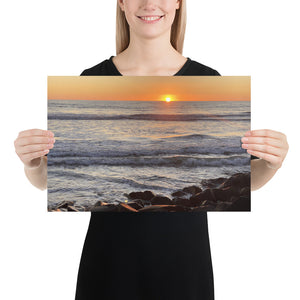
{"points": [[153, 117], [159, 161], [136, 152]]}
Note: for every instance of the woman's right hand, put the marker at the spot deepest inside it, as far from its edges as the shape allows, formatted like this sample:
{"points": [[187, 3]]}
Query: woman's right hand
{"points": [[32, 144]]}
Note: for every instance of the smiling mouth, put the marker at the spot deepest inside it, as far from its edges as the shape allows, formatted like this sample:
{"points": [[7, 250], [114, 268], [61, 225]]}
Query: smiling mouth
{"points": [[150, 18]]}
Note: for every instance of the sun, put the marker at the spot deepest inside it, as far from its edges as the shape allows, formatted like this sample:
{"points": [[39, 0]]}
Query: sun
{"points": [[168, 99]]}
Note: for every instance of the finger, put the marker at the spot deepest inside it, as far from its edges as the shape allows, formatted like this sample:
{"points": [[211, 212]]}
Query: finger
{"points": [[38, 132], [272, 159], [26, 158], [34, 148], [262, 141], [266, 133], [30, 140], [263, 148]]}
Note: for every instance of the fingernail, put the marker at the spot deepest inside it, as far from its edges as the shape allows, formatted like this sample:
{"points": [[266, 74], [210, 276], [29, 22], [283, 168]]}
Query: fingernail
{"points": [[248, 133], [244, 139]]}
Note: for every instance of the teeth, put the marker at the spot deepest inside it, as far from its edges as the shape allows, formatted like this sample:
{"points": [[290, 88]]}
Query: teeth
{"points": [[150, 18]]}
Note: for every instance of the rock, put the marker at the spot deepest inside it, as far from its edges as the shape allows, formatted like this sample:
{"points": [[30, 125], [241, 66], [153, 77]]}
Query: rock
{"points": [[239, 179], [192, 190], [169, 208], [225, 194], [241, 204], [161, 200], [98, 203], [182, 201], [245, 191], [146, 195], [136, 195], [222, 206], [179, 194], [80, 208], [136, 205], [213, 183], [199, 208], [138, 201], [125, 207], [105, 208], [234, 198], [220, 195], [143, 202], [64, 204], [204, 208], [207, 202], [200, 197], [71, 208]]}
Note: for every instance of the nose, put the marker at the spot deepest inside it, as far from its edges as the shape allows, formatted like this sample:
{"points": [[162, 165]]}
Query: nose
{"points": [[149, 5]]}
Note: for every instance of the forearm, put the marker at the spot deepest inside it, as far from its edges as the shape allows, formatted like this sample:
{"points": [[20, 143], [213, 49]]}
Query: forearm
{"points": [[38, 175], [260, 173]]}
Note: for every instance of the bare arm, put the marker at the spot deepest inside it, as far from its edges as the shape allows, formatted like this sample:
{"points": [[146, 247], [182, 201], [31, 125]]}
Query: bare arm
{"points": [[271, 147], [31, 146]]}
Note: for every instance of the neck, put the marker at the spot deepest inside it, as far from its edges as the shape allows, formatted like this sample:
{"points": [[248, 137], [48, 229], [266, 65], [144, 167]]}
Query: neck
{"points": [[148, 54]]}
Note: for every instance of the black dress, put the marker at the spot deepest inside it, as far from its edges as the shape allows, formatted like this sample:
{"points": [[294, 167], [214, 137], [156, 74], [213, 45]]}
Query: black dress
{"points": [[152, 255]]}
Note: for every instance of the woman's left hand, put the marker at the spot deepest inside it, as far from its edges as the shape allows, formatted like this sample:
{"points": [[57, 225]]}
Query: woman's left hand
{"points": [[269, 145]]}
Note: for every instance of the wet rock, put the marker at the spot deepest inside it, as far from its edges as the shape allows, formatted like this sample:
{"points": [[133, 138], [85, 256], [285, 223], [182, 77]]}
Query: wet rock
{"points": [[135, 204], [222, 194], [143, 202], [64, 204], [182, 201], [245, 191], [200, 197], [207, 202], [80, 208], [204, 208], [223, 206], [169, 208], [146, 195], [99, 203], [239, 179], [241, 204], [123, 207], [192, 190], [136, 195], [157, 200], [71, 208], [105, 208], [213, 183], [138, 201], [179, 194]]}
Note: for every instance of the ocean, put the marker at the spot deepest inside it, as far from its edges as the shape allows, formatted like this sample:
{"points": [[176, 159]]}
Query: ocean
{"points": [[105, 149]]}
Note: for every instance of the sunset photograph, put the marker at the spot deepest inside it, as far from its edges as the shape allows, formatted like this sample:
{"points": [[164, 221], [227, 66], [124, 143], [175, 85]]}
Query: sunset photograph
{"points": [[148, 144]]}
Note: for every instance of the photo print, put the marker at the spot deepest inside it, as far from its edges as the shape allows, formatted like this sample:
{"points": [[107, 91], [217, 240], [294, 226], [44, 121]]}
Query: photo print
{"points": [[148, 143]]}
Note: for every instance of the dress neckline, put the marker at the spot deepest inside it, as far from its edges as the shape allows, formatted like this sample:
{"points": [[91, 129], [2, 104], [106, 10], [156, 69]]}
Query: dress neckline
{"points": [[179, 72]]}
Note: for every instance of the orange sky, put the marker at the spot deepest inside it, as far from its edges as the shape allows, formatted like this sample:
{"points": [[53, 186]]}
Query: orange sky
{"points": [[180, 88]]}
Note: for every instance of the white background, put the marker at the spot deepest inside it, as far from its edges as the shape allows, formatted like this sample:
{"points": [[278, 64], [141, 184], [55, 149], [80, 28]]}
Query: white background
{"points": [[255, 255]]}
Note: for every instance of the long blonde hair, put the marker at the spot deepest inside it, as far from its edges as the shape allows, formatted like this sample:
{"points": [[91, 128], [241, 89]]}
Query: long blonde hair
{"points": [[177, 30]]}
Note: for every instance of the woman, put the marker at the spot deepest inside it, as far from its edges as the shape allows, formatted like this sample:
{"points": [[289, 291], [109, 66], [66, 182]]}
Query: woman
{"points": [[149, 255]]}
